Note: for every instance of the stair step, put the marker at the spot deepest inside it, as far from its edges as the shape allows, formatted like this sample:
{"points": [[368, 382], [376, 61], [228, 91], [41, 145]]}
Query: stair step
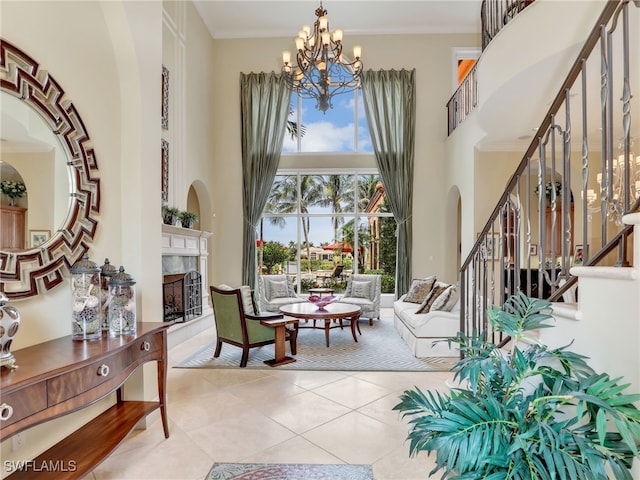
{"points": [[566, 310]]}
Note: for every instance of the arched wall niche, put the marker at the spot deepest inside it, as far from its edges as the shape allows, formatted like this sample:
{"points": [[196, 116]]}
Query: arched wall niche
{"points": [[199, 201]]}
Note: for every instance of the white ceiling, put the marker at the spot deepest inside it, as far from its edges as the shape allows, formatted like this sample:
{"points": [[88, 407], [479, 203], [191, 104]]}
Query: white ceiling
{"points": [[283, 18]]}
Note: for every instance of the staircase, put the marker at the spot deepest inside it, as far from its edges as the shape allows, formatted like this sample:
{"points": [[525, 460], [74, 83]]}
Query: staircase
{"points": [[563, 228]]}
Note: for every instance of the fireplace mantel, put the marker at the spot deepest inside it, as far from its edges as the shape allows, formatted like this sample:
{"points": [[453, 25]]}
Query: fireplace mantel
{"points": [[184, 241]]}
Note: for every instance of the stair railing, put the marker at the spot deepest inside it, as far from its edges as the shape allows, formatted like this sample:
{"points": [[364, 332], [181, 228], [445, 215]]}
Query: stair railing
{"points": [[539, 229]]}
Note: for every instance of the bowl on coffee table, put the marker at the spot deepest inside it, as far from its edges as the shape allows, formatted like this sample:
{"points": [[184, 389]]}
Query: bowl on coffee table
{"points": [[321, 302]]}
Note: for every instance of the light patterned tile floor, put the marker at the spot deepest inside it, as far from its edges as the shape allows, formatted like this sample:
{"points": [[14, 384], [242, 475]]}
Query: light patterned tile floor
{"points": [[273, 416]]}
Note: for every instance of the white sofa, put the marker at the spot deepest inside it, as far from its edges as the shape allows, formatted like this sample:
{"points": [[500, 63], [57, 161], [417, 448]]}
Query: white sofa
{"points": [[420, 330]]}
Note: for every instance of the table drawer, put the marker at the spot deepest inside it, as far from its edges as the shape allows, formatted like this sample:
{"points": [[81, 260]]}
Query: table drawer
{"points": [[148, 345], [22, 403], [76, 382]]}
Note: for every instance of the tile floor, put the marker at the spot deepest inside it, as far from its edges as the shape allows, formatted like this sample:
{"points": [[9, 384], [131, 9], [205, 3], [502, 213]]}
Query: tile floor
{"points": [[273, 416]]}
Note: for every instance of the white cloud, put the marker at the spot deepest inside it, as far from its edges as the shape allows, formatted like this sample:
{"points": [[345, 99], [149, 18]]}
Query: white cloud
{"points": [[327, 137]]}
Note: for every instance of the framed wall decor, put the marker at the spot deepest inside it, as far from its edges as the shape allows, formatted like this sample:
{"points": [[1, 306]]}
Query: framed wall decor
{"points": [[38, 237], [493, 244], [165, 171], [578, 255], [533, 249], [489, 249], [165, 98]]}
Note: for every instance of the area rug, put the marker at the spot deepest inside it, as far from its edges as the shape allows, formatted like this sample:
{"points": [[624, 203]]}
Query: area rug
{"points": [[379, 348], [288, 471]]}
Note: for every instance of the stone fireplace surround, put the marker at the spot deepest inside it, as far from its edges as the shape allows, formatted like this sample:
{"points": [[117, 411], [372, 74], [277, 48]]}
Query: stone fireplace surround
{"points": [[183, 250]]}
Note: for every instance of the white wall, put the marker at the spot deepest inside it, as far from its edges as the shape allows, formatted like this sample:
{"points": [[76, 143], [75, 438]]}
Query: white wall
{"points": [[107, 57], [200, 145], [76, 51]]}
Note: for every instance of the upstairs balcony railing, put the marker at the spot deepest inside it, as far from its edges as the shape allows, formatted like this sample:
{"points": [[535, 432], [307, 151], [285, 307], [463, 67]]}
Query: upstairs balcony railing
{"points": [[494, 14], [463, 101], [564, 204]]}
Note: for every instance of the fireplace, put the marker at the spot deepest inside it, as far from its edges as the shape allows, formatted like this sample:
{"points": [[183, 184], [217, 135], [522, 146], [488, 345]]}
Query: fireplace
{"points": [[185, 294], [182, 296]]}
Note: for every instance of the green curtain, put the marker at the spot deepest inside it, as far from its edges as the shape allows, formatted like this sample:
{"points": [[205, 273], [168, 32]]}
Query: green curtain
{"points": [[264, 103], [390, 105]]}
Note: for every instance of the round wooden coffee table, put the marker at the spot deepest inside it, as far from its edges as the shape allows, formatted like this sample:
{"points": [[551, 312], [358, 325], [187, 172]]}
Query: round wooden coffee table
{"points": [[333, 311]]}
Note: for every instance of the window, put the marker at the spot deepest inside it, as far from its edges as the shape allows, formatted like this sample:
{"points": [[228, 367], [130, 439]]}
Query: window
{"points": [[342, 128], [315, 221], [463, 61]]}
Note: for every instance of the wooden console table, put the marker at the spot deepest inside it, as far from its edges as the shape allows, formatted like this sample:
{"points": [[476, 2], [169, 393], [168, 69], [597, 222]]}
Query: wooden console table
{"points": [[62, 376]]}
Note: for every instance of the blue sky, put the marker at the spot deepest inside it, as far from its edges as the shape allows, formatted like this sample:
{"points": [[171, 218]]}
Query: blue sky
{"points": [[332, 131], [321, 231], [328, 132]]}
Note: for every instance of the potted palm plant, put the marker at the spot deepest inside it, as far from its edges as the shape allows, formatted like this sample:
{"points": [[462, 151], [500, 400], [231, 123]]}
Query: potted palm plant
{"points": [[529, 412], [187, 219], [170, 215]]}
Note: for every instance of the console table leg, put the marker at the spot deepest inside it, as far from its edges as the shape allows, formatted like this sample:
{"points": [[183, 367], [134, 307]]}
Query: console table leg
{"points": [[162, 383]]}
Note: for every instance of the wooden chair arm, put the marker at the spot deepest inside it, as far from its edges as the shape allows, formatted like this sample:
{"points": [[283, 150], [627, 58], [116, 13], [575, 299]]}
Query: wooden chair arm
{"points": [[265, 316]]}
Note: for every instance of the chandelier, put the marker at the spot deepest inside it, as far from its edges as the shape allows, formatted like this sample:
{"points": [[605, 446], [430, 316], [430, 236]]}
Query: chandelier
{"points": [[321, 70], [615, 204]]}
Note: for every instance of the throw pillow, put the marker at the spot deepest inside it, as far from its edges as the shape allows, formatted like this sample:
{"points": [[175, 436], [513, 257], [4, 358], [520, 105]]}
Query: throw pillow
{"points": [[247, 297], [278, 289], [420, 288], [291, 290], [446, 300], [247, 300], [439, 289], [361, 289]]}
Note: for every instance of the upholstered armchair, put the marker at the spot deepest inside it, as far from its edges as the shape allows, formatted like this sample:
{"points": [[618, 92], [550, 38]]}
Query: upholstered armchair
{"points": [[276, 291], [238, 325], [364, 290]]}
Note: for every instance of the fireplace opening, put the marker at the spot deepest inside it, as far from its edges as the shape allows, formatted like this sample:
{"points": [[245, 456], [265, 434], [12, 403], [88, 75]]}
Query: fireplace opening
{"points": [[182, 296]]}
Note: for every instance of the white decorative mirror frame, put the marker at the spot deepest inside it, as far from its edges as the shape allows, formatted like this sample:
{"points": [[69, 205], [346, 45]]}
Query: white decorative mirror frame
{"points": [[35, 270]]}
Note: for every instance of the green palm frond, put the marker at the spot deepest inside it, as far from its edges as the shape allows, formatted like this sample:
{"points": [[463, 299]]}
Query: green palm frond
{"points": [[532, 412]]}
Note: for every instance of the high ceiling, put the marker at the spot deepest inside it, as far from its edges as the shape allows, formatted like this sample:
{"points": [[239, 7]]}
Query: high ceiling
{"points": [[267, 18], [539, 75]]}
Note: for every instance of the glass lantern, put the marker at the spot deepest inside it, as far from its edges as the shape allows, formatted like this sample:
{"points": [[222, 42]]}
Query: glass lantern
{"points": [[85, 300], [106, 272], [122, 304]]}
